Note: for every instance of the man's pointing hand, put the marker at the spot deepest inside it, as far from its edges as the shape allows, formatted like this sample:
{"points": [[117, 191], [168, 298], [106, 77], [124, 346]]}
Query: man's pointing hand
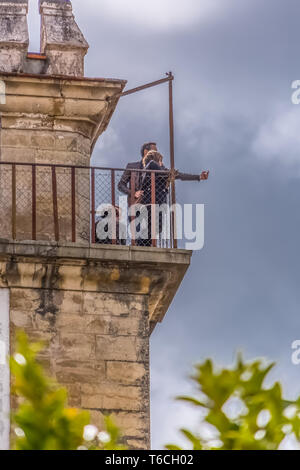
{"points": [[204, 175]]}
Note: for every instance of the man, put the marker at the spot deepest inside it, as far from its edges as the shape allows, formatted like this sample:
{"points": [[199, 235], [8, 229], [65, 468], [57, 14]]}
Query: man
{"points": [[125, 182]]}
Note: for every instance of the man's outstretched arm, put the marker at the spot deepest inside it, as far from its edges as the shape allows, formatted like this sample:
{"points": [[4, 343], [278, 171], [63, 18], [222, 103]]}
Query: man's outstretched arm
{"points": [[188, 177]]}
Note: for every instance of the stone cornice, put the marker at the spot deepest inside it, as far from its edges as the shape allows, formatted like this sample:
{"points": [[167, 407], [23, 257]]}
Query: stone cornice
{"points": [[154, 272], [62, 101]]}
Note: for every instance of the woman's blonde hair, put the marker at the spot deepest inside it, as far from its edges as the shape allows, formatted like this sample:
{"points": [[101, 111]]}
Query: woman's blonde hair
{"points": [[152, 155]]}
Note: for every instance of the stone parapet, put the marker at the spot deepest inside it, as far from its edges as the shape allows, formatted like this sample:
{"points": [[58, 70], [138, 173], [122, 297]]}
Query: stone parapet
{"points": [[61, 39], [14, 38]]}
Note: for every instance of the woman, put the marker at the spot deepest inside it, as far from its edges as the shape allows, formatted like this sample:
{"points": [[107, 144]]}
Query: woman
{"points": [[153, 161], [153, 164]]}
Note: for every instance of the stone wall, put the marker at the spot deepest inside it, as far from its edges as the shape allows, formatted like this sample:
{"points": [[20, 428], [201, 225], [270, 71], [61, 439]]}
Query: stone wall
{"points": [[97, 348], [95, 308]]}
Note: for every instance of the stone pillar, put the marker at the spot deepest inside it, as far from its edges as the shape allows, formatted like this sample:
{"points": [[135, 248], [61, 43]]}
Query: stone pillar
{"points": [[62, 41], [14, 38]]}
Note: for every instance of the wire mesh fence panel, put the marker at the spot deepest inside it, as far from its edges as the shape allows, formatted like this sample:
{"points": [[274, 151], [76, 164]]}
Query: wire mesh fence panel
{"points": [[64, 203], [23, 203], [111, 219], [147, 222], [57, 203], [6, 201], [82, 203], [44, 204]]}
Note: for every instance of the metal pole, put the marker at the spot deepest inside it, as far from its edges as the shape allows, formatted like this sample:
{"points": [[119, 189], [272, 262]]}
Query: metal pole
{"points": [[93, 228], [142, 87], [73, 203], [55, 206], [33, 202], [172, 158], [14, 202], [113, 203], [153, 211], [132, 204]]}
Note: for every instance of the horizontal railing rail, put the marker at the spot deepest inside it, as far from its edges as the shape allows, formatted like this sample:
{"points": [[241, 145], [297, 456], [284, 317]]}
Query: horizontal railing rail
{"points": [[57, 202]]}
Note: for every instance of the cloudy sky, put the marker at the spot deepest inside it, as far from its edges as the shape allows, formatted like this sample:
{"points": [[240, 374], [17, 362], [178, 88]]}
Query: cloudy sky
{"points": [[234, 62]]}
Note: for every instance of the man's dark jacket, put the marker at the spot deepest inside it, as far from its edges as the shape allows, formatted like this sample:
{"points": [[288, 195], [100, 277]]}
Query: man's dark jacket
{"points": [[125, 182]]}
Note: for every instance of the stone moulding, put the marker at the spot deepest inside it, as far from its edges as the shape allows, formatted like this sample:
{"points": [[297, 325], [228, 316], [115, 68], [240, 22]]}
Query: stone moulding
{"points": [[75, 105]]}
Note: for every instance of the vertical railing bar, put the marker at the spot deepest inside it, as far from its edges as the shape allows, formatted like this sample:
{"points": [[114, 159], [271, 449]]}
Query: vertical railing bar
{"points": [[113, 203], [14, 203], [73, 202], [33, 202], [55, 207], [93, 237], [172, 161], [132, 203], [153, 211]]}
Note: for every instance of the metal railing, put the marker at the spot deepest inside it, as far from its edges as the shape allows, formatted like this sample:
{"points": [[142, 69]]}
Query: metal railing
{"points": [[71, 203]]}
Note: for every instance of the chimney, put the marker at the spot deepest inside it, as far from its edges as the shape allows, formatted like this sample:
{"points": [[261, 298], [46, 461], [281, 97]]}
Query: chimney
{"points": [[14, 38], [62, 42]]}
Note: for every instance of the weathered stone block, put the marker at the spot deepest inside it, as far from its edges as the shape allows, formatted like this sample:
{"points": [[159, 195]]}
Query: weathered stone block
{"points": [[69, 301], [126, 348], [135, 425], [97, 419], [22, 298], [74, 323], [70, 371], [112, 397], [126, 372], [74, 395], [98, 303], [77, 346], [21, 319], [129, 326], [137, 444]]}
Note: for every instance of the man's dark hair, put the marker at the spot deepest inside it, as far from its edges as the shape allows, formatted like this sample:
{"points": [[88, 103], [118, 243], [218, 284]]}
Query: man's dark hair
{"points": [[147, 146]]}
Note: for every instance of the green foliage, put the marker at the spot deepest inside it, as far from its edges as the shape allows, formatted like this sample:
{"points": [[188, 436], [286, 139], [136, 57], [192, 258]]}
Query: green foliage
{"points": [[242, 413], [42, 421]]}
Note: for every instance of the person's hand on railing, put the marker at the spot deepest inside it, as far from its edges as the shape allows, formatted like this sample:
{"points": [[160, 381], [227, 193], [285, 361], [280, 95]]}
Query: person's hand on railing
{"points": [[204, 175]]}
